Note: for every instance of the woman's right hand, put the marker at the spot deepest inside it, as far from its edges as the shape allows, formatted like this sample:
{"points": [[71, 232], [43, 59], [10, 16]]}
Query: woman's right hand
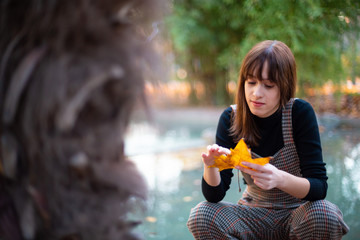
{"points": [[212, 175], [212, 152]]}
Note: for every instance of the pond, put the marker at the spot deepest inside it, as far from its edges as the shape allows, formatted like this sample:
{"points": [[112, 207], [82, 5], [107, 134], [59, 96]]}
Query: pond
{"points": [[167, 153]]}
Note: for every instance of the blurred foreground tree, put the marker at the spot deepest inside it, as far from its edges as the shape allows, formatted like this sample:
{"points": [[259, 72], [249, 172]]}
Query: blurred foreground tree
{"points": [[71, 74], [212, 37]]}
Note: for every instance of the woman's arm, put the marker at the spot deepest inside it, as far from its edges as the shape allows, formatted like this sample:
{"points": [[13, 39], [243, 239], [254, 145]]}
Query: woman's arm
{"points": [[214, 183], [308, 145]]}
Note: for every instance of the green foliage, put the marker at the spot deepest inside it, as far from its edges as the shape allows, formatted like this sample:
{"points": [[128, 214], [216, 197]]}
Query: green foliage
{"points": [[218, 34]]}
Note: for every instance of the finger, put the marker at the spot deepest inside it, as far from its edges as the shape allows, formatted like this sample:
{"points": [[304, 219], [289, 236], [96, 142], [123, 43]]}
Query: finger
{"points": [[258, 167], [269, 167], [263, 184], [254, 173], [246, 170], [212, 148], [223, 150], [259, 183], [215, 147], [252, 165]]}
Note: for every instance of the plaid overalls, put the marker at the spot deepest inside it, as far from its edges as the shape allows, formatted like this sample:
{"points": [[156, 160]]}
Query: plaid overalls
{"points": [[269, 214]]}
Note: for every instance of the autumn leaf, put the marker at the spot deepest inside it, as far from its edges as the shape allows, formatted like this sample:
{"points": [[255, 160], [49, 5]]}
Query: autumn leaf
{"points": [[241, 153]]}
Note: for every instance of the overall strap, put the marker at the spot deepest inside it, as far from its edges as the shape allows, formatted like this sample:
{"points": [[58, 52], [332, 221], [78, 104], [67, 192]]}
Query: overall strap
{"points": [[287, 122]]}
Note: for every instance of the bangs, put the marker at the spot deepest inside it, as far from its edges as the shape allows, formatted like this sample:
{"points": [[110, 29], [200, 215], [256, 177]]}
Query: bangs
{"points": [[256, 66]]}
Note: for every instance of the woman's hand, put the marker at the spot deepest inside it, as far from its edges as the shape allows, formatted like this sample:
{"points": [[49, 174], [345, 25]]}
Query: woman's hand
{"points": [[212, 152], [212, 175], [268, 177], [265, 177]]}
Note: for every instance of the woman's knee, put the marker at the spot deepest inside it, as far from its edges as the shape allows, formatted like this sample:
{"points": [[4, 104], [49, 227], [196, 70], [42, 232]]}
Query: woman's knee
{"points": [[200, 216], [324, 213], [207, 218], [319, 217]]}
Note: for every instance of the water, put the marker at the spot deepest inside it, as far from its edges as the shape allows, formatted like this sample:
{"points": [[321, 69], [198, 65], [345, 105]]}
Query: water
{"points": [[168, 155]]}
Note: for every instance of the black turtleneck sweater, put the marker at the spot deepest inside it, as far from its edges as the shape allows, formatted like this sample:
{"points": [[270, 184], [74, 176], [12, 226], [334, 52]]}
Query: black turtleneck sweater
{"points": [[307, 141]]}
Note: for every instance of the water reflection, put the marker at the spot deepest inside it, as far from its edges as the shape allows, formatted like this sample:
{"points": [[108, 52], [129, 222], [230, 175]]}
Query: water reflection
{"points": [[172, 167], [161, 171], [352, 164], [342, 154], [146, 138]]}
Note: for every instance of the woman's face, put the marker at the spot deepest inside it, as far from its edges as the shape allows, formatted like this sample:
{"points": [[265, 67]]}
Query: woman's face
{"points": [[262, 97]]}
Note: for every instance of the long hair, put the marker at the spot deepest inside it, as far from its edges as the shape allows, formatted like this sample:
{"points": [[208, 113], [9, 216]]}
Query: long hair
{"points": [[282, 71], [71, 73]]}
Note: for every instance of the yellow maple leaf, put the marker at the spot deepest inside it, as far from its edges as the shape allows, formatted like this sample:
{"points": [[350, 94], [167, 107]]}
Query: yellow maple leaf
{"points": [[241, 153]]}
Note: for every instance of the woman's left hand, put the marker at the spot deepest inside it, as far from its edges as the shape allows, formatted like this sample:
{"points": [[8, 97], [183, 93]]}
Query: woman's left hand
{"points": [[265, 177]]}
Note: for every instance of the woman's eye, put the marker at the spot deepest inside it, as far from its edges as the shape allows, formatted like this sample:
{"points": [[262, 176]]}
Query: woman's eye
{"points": [[269, 86], [251, 82]]}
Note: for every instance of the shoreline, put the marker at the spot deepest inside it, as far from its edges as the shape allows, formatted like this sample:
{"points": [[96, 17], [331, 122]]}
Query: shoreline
{"points": [[210, 115]]}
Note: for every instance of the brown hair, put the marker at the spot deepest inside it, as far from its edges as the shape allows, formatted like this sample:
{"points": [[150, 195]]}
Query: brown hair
{"points": [[282, 71]]}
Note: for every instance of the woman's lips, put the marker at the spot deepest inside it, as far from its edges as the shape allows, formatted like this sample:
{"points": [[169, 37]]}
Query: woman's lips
{"points": [[257, 104]]}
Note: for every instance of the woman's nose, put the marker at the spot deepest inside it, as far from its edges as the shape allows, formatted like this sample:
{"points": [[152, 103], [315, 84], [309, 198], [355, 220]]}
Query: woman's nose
{"points": [[258, 91]]}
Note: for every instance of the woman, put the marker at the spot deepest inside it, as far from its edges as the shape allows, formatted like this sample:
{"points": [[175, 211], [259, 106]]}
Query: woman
{"points": [[285, 198]]}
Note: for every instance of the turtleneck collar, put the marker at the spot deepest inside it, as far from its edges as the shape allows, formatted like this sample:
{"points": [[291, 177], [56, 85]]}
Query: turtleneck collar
{"points": [[267, 122]]}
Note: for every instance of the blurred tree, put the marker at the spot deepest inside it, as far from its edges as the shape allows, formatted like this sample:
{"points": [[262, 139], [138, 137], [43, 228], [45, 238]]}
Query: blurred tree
{"points": [[202, 32], [211, 37]]}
